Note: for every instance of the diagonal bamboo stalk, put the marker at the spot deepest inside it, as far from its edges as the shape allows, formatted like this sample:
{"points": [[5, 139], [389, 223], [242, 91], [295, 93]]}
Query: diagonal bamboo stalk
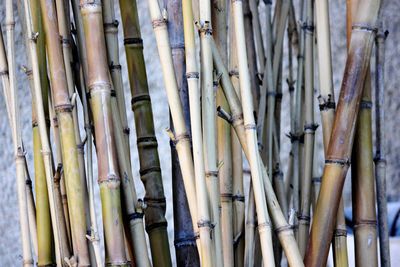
{"points": [[63, 108], [379, 159], [185, 241], [99, 84], [209, 124], [338, 154]]}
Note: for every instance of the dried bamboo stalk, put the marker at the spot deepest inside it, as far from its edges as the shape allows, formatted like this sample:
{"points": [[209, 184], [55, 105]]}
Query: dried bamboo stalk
{"points": [[339, 149]]}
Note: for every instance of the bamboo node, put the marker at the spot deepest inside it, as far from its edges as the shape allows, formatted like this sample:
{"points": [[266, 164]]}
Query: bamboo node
{"points": [[114, 66], [234, 72], [296, 137], [239, 198], [205, 224], [185, 241], [226, 197], [308, 28], [63, 108], [135, 215], [111, 25], [138, 98], [284, 228], [365, 223], [204, 27], [316, 180], [340, 232], [364, 27], [365, 104], [310, 128], [4, 73], [250, 126], [34, 36], [326, 104], [133, 41], [154, 202], [378, 158], [212, 174], [161, 22], [267, 2], [192, 75], [381, 36], [341, 162], [153, 226], [265, 226], [223, 114], [113, 93], [304, 219]]}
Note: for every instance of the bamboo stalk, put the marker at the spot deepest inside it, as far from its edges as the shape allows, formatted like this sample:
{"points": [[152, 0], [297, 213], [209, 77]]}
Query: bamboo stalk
{"points": [[209, 124], [283, 230], [237, 169], [7, 68], [63, 109], [264, 226], [258, 38], [342, 137], [192, 75], [185, 241], [59, 230], [251, 224], [220, 34], [380, 153], [309, 130], [100, 90]]}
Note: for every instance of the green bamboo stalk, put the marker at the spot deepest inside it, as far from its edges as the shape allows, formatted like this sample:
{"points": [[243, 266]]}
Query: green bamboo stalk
{"points": [[309, 129], [237, 169], [342, 137], [363, 185], [7, 69], [99, 84], [379, 159], [63, 108], [185, 241], [156, 225]]}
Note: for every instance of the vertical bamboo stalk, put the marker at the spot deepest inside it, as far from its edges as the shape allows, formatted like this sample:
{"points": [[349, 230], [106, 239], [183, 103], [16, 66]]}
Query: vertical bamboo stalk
{"points": [[264, 226], [237, 169], [251, 224], [379, 159], [258, 38], [59, 230], [100, 91], [63, 109], [339, 149], [209, 124], [192, 75], [185, 242], [7, 69], [309, 129]]}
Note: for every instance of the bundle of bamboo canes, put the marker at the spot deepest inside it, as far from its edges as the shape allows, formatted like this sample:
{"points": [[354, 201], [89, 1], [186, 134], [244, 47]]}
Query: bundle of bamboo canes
{"points": [[224, 88]]}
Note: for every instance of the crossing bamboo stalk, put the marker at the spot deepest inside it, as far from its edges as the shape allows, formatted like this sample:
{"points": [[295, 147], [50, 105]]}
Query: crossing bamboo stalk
{"points": [[339, 149], [58, 225], [192, 75], [380, 151], [156, 225], [7, 68], [185, 242], [264, 225], [180, 136], [282, 228], [63, 108], [238, 198], [309, 129], [99, 85], [220, 34], [209, 125]]}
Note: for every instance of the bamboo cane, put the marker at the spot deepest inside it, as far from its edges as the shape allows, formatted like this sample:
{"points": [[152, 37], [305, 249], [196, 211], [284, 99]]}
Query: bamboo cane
{"points": [[258, 38], [147, 143], [185, 241], [59, 230], [7, 65], [100, 91], [209, 125], [379, 159], [309, 129], [219, 21], [264, 226], [192, 75], [283, 230], [251, 224], [111, 35], [342, 137], [63, 109], [237, 169]]}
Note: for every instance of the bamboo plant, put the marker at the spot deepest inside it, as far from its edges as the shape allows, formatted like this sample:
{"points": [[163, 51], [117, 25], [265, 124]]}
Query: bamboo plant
{"points": [[339, 149]]}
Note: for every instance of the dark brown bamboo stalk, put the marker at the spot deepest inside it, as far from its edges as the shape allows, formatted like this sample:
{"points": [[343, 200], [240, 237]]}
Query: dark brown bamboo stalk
{"points": [[379, 159], [150, 172], [99, 84], [185, 244], [339, 150]]}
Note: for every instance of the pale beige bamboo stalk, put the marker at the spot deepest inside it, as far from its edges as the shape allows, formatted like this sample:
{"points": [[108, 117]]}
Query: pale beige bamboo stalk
{"points": [[251, 224], [181, 136], [209, 125], [192, 74], [258, 38], [264, 225], [7, 69]]}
